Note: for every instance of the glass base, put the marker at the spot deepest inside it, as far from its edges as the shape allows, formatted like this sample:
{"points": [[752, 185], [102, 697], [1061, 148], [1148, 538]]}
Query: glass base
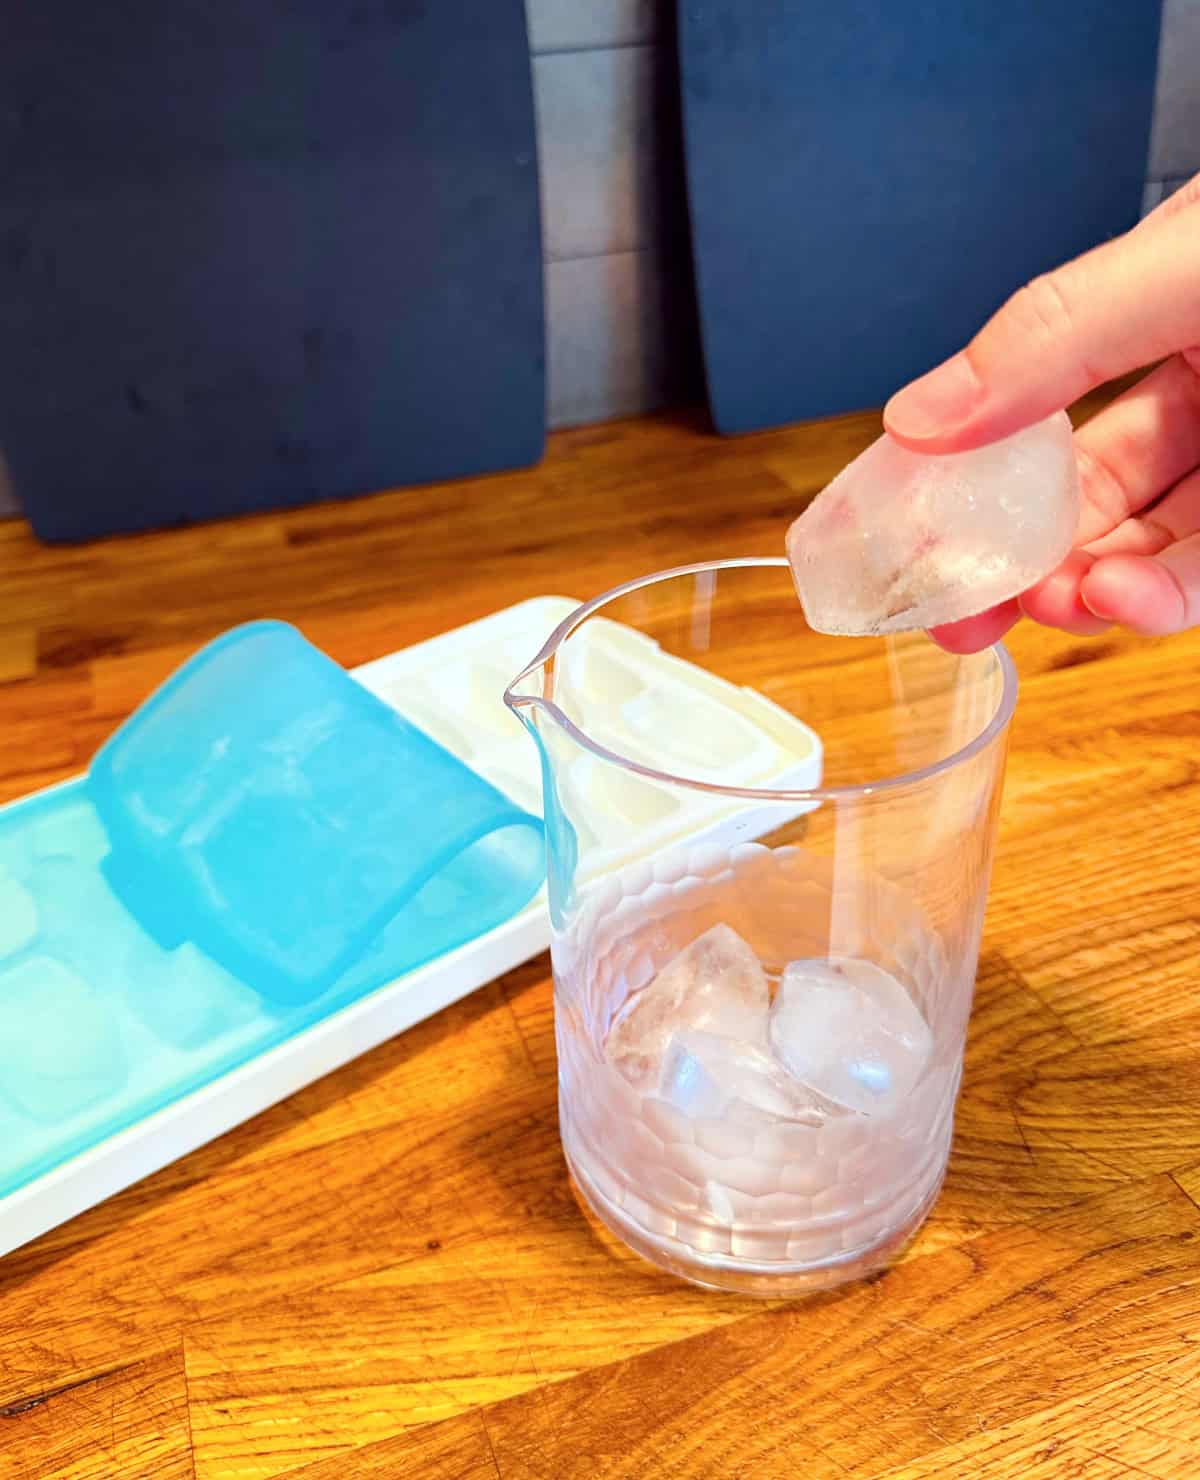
{"points": [[772, 1280]]}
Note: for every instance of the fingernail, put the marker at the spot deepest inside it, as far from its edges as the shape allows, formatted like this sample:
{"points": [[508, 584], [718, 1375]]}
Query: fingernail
{"points": [[1093, 601], [937, 403]]}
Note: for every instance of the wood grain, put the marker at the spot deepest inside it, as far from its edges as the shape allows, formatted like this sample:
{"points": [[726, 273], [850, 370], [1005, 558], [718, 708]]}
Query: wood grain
{"points": [[926, 1350], [131, 1420], [1143, 1424], [388, 1275]]}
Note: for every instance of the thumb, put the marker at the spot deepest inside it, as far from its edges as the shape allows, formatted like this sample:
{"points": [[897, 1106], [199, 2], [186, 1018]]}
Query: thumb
{"points": [[1125, 304]]}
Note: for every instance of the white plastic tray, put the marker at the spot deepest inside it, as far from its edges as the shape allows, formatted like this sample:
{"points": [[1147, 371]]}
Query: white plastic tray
{"points": [[452, 687]]}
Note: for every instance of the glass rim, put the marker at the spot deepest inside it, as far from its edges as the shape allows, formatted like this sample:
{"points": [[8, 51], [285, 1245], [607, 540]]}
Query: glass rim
{"points": [[994, 728]]}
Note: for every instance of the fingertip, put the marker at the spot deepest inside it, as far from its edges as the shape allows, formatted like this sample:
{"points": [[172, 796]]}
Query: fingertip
{"points": [[952, 409], [1134, 591], [1101, 596], [973, 634], [934, 413]]}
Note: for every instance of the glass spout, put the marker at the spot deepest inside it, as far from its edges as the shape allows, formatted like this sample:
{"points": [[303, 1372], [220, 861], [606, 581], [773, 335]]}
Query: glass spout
{"points": [[524, 696], [527, 698]]}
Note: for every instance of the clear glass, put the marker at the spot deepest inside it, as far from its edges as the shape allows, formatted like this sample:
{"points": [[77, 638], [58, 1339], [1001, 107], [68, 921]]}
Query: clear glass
{"points": [[764, 947]]}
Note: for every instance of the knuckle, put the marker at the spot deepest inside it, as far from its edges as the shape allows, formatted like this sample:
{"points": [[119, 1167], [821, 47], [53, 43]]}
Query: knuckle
{"points": [[1044, 309], [1106, 492], [1187, 197]]}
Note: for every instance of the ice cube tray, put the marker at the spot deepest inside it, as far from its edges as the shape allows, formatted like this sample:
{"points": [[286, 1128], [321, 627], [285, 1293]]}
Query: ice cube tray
{"points": [[103, 1080], [629, 695]]}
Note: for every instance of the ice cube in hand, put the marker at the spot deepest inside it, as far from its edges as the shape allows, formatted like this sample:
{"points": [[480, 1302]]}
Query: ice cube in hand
{"points": [[704, 1075], [902, 539], [716, 985], [848, 1030]]}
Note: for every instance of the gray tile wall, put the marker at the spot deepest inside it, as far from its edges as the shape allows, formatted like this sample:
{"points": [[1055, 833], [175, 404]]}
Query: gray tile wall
{"points": [[1175, 138], [620, 320]]}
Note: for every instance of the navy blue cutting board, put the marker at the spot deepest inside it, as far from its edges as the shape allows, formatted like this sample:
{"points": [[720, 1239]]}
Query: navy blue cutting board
{"points": [[869, 180], [257, 254]]}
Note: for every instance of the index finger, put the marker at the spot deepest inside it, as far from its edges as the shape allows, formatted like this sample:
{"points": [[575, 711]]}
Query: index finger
{"points": [[1117, 308]]}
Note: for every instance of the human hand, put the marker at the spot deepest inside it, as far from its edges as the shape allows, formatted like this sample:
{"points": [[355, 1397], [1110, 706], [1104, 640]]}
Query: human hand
{"points": [[1125, 305]]}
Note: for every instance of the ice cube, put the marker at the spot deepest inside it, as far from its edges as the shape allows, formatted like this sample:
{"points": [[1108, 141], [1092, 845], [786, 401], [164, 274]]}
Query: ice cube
{"points": [[188, 1000], [716, 985], [18, 916], [60, 1050], [71, 832], [80, 920], [903, 539], [710, 1077], [848, 1030]]}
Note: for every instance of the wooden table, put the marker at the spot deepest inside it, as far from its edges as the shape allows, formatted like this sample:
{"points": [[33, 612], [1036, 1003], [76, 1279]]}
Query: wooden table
{"points": [[387, 1274]]}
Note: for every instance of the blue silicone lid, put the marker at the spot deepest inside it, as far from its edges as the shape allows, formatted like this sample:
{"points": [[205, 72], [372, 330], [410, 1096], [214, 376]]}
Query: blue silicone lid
{"points": [[262, 843], [266, 807]]}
